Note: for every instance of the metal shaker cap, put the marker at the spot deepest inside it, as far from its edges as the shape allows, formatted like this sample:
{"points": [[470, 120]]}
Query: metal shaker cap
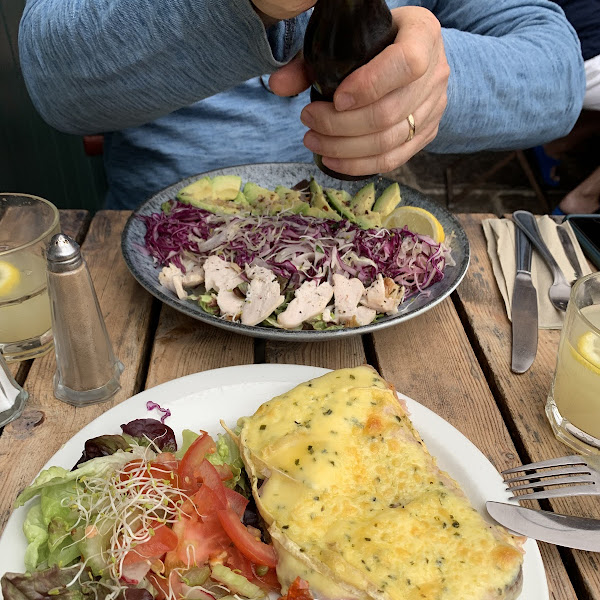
{"points": [[63, 254]]}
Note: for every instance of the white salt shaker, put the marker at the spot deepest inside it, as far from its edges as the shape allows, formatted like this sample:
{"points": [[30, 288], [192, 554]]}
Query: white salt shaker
{"points": [[86, 368]]}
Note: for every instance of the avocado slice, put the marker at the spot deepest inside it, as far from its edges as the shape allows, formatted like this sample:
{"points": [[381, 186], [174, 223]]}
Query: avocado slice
{"points": [[340, 200], [319, 207], [389, 199], [198, 190], [262, 200], [220, 195], [292, 200], [363, 201], [369, 220], [226, 187]]}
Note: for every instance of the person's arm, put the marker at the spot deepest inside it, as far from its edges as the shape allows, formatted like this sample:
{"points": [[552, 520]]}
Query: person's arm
{"points": [[516, 74], [473, 74], [101, 65]]}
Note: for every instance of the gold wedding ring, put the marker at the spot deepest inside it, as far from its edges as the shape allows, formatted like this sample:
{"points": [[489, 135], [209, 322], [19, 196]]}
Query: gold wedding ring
{"points": [[411, 127]]}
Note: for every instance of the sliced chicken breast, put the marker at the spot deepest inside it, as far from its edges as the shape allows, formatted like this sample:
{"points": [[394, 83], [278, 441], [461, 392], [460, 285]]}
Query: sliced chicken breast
{"points": [[347, 294], [383, 295], [219, 274], [263, 296], [309, 301], [171, 277]]}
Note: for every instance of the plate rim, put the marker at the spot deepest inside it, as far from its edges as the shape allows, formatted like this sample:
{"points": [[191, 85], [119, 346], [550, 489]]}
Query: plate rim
{"points": [[274, 333], [269, 373]]}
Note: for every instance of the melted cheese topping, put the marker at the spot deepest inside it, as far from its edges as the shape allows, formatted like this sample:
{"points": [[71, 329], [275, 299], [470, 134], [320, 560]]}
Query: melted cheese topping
{"points": [[352, 493]]}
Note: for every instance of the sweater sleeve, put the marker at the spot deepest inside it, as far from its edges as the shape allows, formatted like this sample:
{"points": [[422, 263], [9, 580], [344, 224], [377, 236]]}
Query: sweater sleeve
{"points": [[102, 65], [517, 76]]}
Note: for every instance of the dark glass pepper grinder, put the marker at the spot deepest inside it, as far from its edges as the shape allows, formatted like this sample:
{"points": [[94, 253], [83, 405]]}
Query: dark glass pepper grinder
{"points": [[341, 36]]}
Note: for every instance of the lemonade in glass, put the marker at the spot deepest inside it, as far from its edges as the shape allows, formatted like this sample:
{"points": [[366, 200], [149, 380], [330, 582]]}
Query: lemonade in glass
{"points": [[27, 224], [573, 406]]}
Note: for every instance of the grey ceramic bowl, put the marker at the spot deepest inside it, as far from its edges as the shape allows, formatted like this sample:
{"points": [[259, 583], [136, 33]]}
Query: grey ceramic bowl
{"points": [[270, 175]]}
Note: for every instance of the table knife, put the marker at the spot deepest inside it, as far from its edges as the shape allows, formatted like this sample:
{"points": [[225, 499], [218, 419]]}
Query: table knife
{"points": [[567, 244], [523, 308], [562, 530]]}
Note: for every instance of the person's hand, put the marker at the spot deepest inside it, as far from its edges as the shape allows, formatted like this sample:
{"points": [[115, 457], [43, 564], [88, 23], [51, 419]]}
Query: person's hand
{"points": [[366, 128], [278, 10]]}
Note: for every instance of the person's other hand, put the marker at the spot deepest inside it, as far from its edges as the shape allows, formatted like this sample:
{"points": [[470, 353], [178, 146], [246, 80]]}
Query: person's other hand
{"points": [[277, 10], [365, 130]]}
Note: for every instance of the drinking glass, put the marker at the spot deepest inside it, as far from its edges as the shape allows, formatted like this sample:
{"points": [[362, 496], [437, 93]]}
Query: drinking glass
{"points": [[573, 406], [26, 225]]}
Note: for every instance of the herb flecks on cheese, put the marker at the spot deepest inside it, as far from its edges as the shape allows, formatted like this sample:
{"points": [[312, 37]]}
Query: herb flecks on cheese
{"points": [[359, 507]]}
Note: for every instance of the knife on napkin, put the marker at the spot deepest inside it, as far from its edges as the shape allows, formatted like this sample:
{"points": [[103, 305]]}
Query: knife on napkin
{"points": [[563, 530], [524, 308]]}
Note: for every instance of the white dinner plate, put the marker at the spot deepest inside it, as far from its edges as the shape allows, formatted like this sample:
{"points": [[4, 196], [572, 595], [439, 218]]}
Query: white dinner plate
{"points": [[201, 400]]}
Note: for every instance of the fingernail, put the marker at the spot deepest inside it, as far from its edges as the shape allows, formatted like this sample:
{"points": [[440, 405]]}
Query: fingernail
{"points": [[311, 141], [307, 119], [343, 102]]}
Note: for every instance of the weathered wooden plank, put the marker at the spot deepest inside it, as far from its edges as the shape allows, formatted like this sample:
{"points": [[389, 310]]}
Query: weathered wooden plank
{"points": [[335, 354], [522, 398], [430, 359], [184, 345], [75, 224], [126, 309]]}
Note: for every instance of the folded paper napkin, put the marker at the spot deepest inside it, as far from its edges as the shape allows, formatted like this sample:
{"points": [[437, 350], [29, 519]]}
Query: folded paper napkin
{"points": [[500, 235]]}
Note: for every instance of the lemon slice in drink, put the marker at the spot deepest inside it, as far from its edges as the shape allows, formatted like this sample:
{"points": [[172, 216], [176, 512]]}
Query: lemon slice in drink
{"points": [[9, 277], [418, 220], [589, 349]]}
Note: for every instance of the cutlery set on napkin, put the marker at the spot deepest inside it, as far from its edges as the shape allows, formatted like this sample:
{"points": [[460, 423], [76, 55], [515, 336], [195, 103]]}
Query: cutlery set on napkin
{"points": [[535, 288]]}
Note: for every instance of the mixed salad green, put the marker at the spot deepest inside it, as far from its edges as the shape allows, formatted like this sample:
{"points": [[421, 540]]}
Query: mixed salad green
{"points": [[138, 519]]}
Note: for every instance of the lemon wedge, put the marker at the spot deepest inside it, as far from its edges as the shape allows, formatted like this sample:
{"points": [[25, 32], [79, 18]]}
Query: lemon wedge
{"points": [[418, 220], [9, 277], [588, 346]]}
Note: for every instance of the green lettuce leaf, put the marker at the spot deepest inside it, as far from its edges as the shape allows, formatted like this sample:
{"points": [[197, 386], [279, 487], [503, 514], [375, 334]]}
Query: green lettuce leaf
{"points": [[97, 467], [36, 532], [229, 454], [188, 437]]}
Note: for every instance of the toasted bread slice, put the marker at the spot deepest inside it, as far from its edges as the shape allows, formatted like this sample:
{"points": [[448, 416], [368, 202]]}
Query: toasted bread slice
{"points": [[358, 507]]}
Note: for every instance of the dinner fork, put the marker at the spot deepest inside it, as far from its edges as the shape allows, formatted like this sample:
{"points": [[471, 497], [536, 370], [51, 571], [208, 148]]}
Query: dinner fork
{"points": [[580, 476], [560, 290]]}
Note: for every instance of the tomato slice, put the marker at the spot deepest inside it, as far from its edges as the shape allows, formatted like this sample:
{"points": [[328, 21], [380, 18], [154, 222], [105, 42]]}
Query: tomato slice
{"points": [[145, 472], [299, 590], [167, 459], [192, 459], [197, 542], [163, 540], [211, 478], [236, 501], [257, 551], [224, 472], [207, 501], [268, 582]]}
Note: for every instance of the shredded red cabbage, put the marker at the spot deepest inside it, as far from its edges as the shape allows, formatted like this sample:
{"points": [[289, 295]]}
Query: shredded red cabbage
{"points": [[165, 411], [295, 247]]}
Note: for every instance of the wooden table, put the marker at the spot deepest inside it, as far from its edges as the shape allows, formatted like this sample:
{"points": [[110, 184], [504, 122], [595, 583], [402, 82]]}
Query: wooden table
{"points": [[455, 360]]}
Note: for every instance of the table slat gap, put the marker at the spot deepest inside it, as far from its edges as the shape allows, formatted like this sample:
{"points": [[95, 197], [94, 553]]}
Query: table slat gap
{"points": [[183, 345], [522, 398]]}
